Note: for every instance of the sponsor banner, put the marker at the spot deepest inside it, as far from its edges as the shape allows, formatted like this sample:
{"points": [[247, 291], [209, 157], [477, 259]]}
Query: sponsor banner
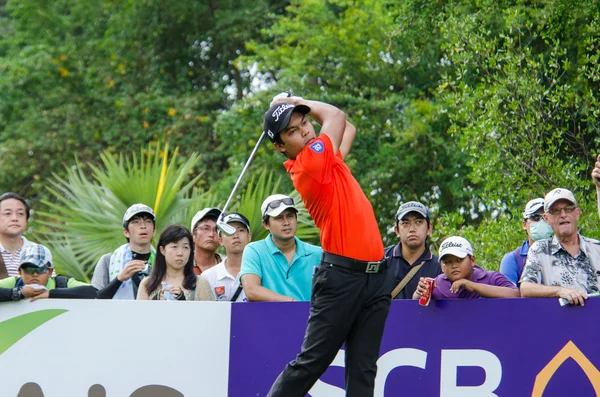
{"points": [[65, 348], [470, 348]]}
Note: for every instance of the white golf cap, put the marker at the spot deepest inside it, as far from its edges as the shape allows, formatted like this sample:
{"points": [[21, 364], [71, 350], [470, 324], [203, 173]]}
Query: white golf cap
{"points": [[558, 194], [137, 209], [203, 213], [532, 207], [276, 204], [456, 246]]}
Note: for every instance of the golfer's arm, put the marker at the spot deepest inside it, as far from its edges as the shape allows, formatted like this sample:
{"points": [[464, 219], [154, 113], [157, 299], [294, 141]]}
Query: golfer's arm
{"points": [[255, 292], [348, 139], [332, 121], [533, 290]]}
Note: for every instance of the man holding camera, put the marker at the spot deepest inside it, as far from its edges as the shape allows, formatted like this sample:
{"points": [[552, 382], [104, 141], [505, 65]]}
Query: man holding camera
{"points": [[118, 274]]}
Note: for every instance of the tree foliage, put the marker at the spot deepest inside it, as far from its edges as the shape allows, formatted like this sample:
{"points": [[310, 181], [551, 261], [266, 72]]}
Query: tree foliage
{"points": [[472, 107]]}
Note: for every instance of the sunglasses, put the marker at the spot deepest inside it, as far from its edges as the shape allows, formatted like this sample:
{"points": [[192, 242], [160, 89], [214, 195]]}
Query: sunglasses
{"points": [[536, 217], [34, 269], [276, 203]]}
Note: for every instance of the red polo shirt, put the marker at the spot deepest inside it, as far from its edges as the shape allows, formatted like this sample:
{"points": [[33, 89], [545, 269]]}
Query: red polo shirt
{"points": [[336, 202]]}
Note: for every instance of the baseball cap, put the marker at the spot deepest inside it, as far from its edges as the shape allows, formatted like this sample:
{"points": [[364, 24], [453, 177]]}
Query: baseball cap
{"points": [[532, 207], [456, 246], [558, 194], [37, 255], [276, 204], [412, 206], [278, 117], [137, 209], [237, 217], [203, 214]]}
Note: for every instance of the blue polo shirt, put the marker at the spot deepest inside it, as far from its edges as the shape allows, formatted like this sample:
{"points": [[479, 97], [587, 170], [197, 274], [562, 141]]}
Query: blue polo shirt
{"points": [[264, 259]]}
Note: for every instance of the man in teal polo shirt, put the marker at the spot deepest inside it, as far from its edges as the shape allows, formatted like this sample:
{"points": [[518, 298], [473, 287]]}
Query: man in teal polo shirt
{"points": [[280, 267]]}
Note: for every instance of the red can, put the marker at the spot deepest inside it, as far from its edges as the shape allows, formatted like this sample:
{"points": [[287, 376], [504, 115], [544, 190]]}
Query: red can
{"points": [[425, 299]]}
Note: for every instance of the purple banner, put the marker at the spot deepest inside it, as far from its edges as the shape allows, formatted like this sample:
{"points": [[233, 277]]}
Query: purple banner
{"points": [[470, 348]]}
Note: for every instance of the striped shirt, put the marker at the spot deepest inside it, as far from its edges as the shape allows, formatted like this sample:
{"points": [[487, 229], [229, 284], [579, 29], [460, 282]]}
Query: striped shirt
{"points": [[13, 260]]}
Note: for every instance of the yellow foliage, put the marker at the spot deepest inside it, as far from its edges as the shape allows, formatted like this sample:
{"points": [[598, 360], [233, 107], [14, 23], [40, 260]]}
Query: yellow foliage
{"points": [[63, 72], [63, 57], [172, 112], [146, 124]]}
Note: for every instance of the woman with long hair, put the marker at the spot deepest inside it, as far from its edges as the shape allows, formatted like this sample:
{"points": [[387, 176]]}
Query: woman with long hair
{"points": [[172, 276]]}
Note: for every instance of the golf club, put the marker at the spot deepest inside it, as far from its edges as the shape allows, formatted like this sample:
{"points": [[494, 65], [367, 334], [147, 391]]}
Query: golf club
{"points": [[224, 227]]}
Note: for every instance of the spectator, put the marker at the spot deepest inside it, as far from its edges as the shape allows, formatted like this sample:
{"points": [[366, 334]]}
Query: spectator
{"points": [[118, 274], [206, 239], [14, 213], [537, 229], [223, 278], [35, 281], [596, 179], [280, 267], [462, 278], [566, 265], [411, 258], [172, 276]]}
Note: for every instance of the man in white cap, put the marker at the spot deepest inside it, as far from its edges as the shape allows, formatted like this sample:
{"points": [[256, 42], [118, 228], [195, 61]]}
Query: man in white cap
{"points": [[280, 267], [537, 229], [35, 282], [118, 274], [206, 239], [566, 265]]}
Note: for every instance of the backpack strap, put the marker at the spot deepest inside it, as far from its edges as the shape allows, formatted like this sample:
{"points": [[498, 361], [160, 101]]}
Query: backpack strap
{"points": [[406, 279], [237, 294], [3, 271], [61, 281]]}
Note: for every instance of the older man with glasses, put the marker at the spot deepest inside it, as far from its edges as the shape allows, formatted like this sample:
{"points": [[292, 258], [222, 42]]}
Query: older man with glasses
{"points": [[566, 265], [280, 267]]}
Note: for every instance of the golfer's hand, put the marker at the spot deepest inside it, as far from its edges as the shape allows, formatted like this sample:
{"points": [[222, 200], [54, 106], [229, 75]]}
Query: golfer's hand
{"points": [[596, 173], [574, 296], [285, 94]]}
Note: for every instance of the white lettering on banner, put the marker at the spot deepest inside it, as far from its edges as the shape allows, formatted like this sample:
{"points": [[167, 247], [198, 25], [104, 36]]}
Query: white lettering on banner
{"points": [[408, 357], [452, 359], [397, 358], [122, 345]]}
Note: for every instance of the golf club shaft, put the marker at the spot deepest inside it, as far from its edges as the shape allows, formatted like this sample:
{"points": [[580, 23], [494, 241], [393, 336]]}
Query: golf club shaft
{"points": [[262, 136]]}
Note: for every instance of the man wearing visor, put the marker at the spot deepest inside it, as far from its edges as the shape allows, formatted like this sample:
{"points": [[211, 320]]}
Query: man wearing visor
{"points": [[537, 229], [35, 281], [280, 267]]}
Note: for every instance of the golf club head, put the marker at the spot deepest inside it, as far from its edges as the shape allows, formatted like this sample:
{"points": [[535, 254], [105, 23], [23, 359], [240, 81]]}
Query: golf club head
{"points": [[227, 229]]}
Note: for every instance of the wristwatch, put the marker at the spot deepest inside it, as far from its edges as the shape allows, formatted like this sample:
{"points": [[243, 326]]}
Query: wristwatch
{"points": [[17, 294]]}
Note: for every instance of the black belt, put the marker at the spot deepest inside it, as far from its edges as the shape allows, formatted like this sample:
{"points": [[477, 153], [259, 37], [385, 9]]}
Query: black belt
{"points": [[355, 264]]}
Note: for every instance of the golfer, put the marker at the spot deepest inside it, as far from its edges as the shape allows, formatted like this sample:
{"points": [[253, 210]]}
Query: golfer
{"points": [[350, 293]]}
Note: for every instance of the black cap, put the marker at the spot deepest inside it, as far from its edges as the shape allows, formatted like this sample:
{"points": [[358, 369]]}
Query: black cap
{"points": [[278, 117]]}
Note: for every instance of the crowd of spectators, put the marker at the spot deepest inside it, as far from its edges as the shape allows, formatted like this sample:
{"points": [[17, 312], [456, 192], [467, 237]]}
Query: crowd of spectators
{"points": [[555, 260]]}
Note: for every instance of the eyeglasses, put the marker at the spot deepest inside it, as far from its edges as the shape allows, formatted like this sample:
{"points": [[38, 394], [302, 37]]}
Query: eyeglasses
{"points": [[276, 203], [206, 229], [557, 211], [536, 217], [34, 269]]}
